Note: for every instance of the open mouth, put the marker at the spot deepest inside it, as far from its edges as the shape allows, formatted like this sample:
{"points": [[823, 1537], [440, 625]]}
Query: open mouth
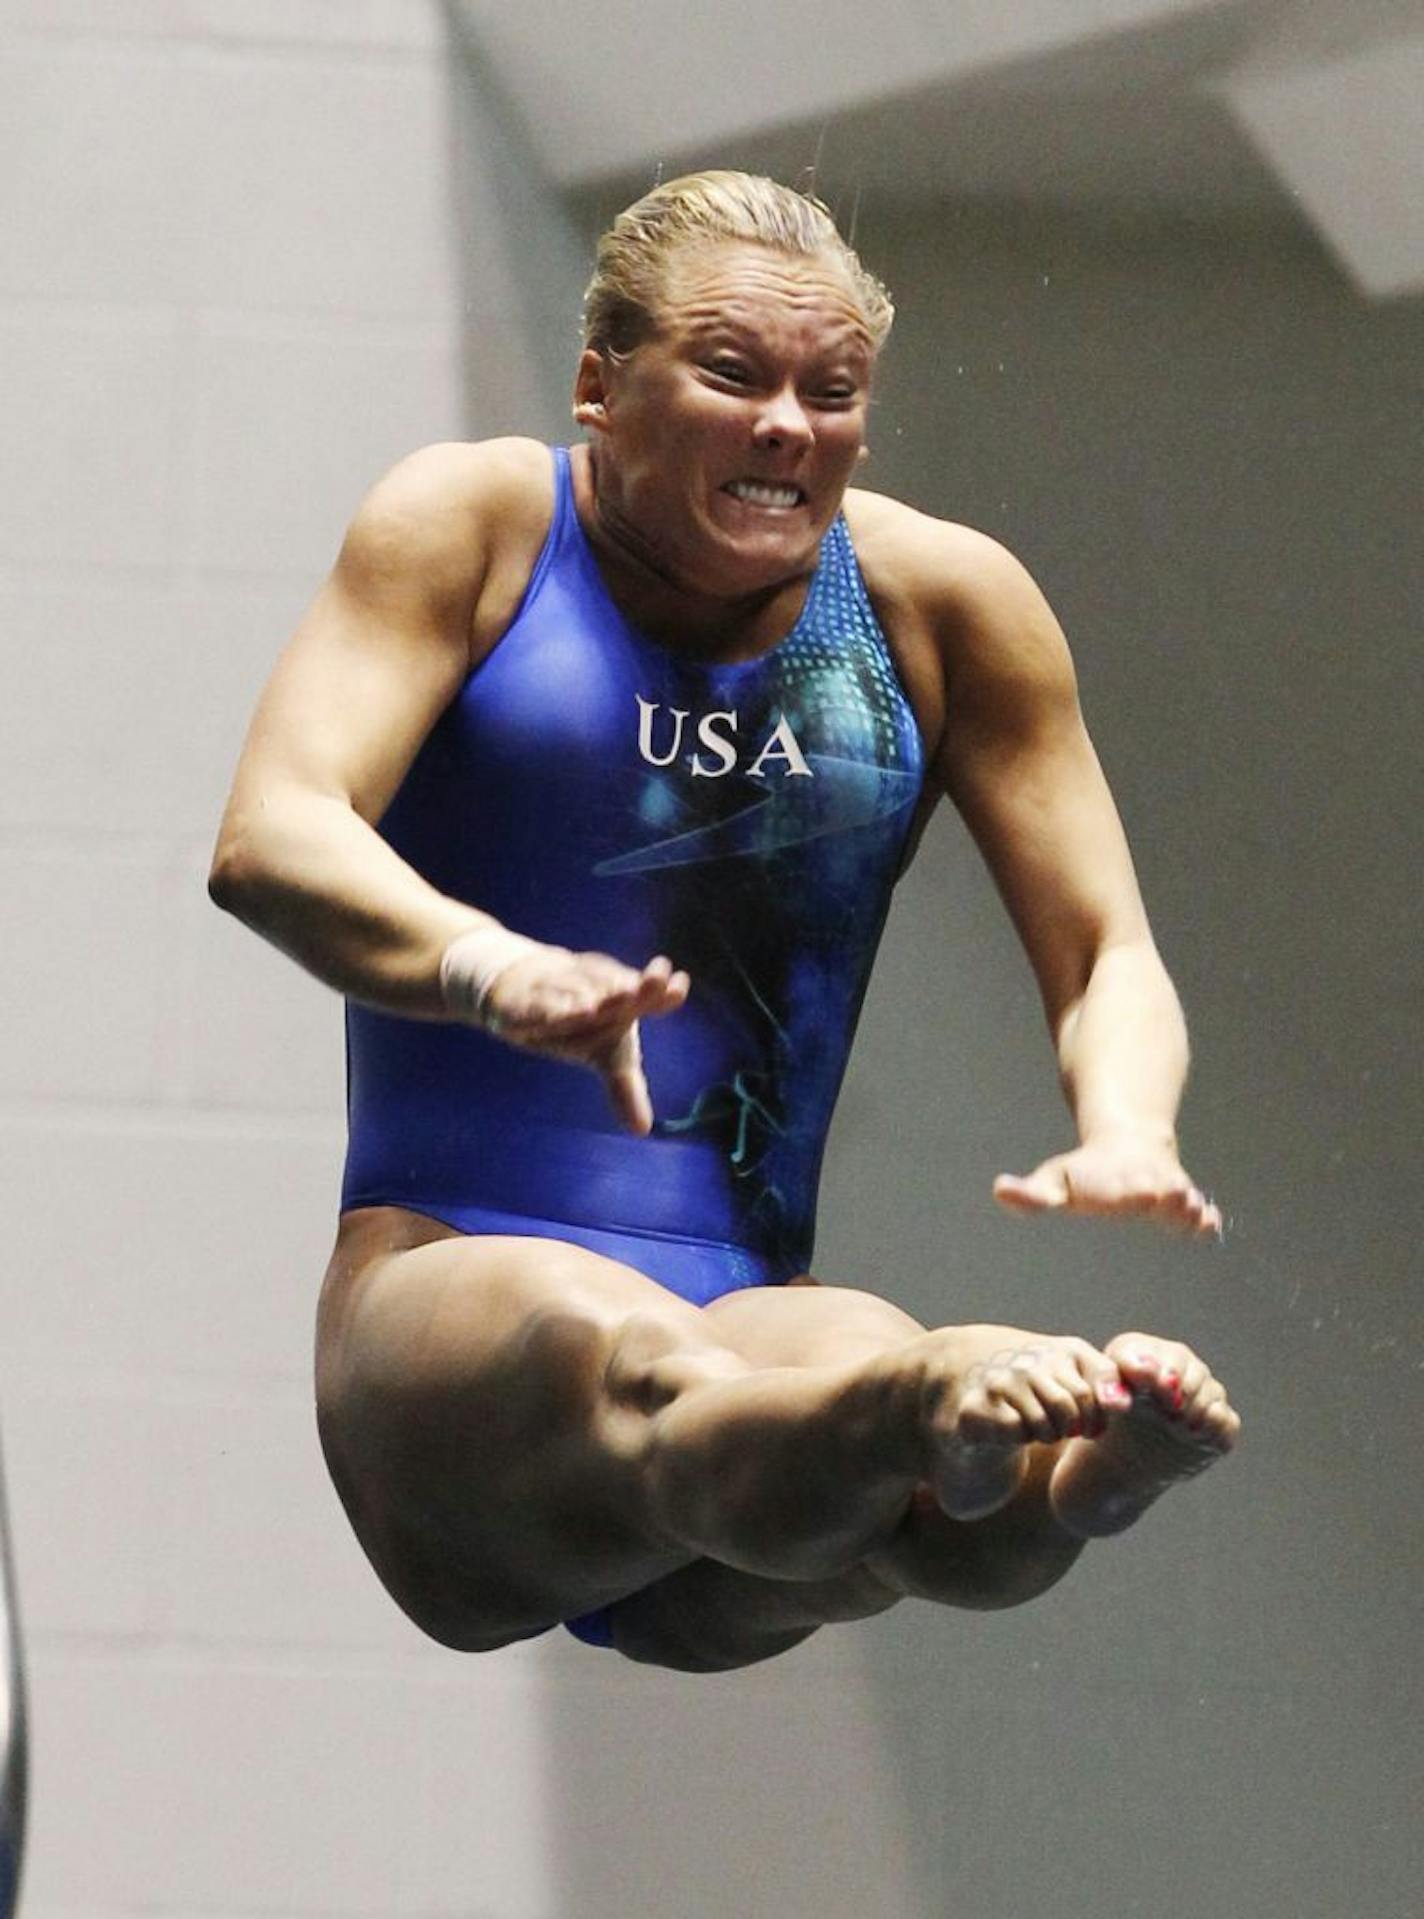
{"points": [[766, 493]]}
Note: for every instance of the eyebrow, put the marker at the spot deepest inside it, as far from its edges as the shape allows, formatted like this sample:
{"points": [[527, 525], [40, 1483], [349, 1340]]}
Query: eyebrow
{"points": [[849, 337]]}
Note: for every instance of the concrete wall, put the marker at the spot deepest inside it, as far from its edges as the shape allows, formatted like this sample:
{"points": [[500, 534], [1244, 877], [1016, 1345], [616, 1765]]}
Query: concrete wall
{"points": [[240, 267], [252, 254]]}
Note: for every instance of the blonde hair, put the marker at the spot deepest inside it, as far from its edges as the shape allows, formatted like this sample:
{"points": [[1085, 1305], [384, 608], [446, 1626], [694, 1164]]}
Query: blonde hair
{"points": [[620, 304]]}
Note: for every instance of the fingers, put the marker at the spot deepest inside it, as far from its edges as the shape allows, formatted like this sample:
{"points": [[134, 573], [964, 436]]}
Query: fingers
{"points": [[1185, 1207], [619, 992], [585, 1008], [1038, 1192], [661, 989], [1110, 1181], [1209, 1223], [553, 994], [627, 1083]]}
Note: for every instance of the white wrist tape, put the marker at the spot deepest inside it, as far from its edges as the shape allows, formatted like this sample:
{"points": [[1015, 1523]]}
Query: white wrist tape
{"points": [[471, 964]]}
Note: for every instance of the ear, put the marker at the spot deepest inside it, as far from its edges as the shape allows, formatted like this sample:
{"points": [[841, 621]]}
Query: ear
{"points": [[591, 391]]}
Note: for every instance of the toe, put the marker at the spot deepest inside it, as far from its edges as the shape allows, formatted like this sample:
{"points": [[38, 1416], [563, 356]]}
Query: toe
{"points": [[1139, 1359]]}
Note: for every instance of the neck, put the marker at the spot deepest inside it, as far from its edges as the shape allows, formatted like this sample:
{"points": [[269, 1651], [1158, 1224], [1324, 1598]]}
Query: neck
{"points": [[647, 586]]}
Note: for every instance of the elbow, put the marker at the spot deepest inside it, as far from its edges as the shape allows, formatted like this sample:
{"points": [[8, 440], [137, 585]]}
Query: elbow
{"points": [[234, 878], [224, 885]]}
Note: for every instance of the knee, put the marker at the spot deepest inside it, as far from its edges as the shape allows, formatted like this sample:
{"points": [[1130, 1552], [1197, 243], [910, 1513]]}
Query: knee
{"points": [[656, 1356]]}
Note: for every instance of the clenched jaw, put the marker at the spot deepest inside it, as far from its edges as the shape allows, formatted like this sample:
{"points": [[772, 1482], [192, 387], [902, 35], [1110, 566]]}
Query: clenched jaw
{"points": [[766, 493]]}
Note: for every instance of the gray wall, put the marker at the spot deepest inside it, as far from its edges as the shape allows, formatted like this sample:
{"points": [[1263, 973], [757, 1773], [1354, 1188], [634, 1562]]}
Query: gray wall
{"points": [[235, 285], [252, 255], [1206, 449]]}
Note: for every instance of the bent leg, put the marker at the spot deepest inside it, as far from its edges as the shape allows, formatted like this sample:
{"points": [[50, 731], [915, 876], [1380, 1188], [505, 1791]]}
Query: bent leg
{"points": [[709, 1617], [1165, 1419], [521, 1430]]}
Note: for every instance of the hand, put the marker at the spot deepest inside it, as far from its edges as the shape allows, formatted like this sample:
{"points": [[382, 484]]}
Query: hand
{"points": [[1115, 1173], [585, 1008]]}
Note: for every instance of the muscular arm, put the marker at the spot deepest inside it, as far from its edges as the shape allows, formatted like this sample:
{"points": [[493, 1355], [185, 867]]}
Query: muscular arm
{"points": [[380, 653], [1016, 759], [428, 575]]}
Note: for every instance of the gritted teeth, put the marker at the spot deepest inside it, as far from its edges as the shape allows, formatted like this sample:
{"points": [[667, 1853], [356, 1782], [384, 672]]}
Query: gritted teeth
{"points": [[765, 493]]}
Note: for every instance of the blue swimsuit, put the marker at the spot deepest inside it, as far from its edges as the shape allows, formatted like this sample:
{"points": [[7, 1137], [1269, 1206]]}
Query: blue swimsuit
{"points": [[595, 790]]}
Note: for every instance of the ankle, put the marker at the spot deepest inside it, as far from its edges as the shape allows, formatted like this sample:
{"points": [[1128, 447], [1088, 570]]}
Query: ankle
{"points": [[896, 1390]]}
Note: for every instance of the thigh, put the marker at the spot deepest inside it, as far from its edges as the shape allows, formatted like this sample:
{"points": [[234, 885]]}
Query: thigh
{"points": [[809, 1324], [463, 1410], [710, 1618]]}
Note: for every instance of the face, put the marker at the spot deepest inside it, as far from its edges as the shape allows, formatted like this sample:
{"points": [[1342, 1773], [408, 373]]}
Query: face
{"points": [[725, 441]]}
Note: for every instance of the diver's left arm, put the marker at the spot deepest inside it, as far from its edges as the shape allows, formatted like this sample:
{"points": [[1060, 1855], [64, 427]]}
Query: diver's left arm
{"points": [[1015, 757]]}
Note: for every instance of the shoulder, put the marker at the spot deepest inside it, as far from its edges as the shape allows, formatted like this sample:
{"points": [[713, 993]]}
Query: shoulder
{"points": [[944, 570], [959, 592], [445, 515], [453, 479]]}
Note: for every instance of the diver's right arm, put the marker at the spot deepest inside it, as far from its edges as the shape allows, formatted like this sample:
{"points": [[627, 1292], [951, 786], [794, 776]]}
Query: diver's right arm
{"points": [[381, 652], [428, 576]]}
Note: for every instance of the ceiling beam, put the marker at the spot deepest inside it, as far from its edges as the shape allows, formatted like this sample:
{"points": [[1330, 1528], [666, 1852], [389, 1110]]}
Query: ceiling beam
{"points": [[1344, 136]]}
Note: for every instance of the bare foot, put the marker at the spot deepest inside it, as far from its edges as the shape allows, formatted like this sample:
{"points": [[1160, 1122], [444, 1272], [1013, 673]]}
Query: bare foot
{"points": [[992, 1391], [1178, 1423]]}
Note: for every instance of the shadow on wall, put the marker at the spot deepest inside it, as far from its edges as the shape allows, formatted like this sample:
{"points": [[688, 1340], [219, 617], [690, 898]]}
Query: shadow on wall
{"points": [[519, 374]]}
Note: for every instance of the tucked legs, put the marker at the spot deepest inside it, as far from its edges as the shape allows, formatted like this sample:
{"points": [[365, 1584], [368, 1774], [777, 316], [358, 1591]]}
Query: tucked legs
{"points": [[522, 1431]]}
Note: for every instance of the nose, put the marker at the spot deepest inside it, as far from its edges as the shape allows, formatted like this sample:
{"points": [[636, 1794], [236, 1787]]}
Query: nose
{"points": [[782, 420]]}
